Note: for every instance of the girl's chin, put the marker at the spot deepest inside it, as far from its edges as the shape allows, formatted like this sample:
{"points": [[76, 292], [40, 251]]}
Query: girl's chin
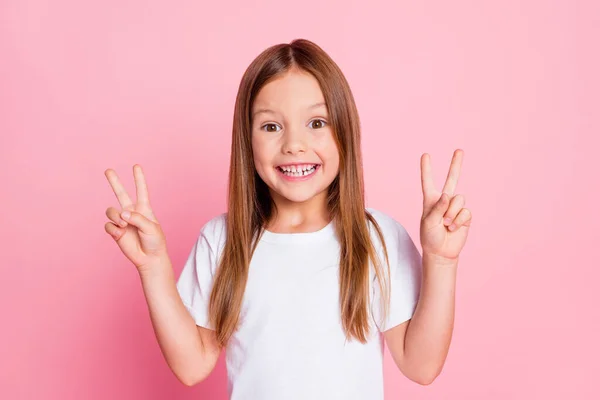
{"points": [[292, 196]]}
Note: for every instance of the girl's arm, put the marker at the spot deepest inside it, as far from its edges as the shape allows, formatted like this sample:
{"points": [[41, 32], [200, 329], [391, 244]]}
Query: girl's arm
{"points": [[419, 346], [191, 351]]}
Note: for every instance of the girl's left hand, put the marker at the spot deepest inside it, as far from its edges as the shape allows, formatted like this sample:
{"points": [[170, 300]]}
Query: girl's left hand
{"points": [[445, 222]]}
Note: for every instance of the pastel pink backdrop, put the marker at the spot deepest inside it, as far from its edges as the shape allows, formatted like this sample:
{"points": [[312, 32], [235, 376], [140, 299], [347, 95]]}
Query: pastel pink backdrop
{"points": [[85, 86]]}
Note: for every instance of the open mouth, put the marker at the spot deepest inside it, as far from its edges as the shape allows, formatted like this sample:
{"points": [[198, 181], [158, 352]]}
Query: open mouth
{"points": [[298, 170]]}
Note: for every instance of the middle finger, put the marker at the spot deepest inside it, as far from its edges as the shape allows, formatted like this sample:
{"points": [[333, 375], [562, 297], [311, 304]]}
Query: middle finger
{"points": [[118, 189], [453, 173], [456, 204]]}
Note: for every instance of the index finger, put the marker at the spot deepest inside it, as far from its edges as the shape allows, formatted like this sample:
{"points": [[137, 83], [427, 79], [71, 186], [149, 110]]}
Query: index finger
{"points": [[427, 183], [453, 173], [140, 185], [118, 188]]}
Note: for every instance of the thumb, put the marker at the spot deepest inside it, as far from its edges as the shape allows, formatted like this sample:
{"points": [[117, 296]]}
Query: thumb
{"points": [[139, 221], [439, 208]]}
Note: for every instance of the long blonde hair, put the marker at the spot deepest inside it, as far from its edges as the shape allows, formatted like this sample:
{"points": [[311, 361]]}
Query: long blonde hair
{"points": [[250, 205]]}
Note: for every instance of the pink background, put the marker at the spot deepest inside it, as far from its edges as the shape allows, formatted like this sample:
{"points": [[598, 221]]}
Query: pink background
{"points": [[85, 86]]}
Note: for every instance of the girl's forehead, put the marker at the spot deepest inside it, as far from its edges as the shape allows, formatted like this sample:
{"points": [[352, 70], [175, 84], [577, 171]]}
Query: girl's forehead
{"points": [[290, 86], [273, 109], [292, 92]]}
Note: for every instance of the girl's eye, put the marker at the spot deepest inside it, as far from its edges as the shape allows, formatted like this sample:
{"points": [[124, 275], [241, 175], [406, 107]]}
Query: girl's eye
{"points": [[269, 125], [321, 123], [275, 128]]}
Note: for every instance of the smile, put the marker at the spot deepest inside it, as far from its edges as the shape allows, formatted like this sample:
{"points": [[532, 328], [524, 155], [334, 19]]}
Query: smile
{"points": [[296, 172]]}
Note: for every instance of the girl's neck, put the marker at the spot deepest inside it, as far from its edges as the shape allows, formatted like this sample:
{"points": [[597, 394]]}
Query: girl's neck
{"points": [[294, 217]]}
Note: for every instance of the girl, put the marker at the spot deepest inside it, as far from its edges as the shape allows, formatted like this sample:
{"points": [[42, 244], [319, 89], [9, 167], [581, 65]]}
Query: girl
{"points": [[298, 278]]}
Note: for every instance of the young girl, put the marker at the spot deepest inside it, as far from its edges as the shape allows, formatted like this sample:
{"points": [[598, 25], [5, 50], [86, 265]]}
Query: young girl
{"points": [[298, 279]]}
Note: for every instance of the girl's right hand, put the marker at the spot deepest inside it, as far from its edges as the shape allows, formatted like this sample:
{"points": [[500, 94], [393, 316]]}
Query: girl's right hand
{"points": [[134, 227]]}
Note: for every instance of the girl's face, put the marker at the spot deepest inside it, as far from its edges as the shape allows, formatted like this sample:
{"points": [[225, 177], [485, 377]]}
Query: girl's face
{"points": [[295, 153]]}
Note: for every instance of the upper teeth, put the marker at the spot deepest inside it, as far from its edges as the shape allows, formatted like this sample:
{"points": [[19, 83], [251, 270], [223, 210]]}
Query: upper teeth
{"points": [[298, 168]]}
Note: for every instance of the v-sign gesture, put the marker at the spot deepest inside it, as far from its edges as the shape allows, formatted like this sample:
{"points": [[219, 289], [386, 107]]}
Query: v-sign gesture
{"points": [[135, 228], [444, 223]]}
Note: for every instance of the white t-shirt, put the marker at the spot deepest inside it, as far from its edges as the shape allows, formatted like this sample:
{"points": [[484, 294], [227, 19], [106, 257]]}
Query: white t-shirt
{"points": [[290, 343]]}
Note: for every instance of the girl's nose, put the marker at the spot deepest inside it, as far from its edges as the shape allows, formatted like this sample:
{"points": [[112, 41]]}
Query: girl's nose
{"points": [[294, 142]]}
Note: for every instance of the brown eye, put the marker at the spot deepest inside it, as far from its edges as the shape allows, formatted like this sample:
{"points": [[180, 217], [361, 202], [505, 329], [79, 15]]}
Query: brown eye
{"points": [[269, 129], [320, 123]]}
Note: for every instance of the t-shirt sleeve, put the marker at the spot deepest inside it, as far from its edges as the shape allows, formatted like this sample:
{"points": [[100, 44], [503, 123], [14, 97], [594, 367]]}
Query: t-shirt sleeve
{"points": [[196, 279], [405, 277]]}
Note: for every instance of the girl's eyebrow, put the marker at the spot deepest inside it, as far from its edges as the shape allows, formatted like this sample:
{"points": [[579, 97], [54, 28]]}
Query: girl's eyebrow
{"points": [[321, 104], [266, 110]]}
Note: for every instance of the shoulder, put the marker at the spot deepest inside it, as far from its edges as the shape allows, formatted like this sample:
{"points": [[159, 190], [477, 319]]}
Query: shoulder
{"points": [[387, 224], [395, 236], [402, 252], [214, 231]]}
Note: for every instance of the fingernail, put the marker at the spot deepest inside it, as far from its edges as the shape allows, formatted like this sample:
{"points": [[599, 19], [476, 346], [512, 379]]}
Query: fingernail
{"points": [[123, 223], [126, 215], [452, 227], [447, 221]]}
